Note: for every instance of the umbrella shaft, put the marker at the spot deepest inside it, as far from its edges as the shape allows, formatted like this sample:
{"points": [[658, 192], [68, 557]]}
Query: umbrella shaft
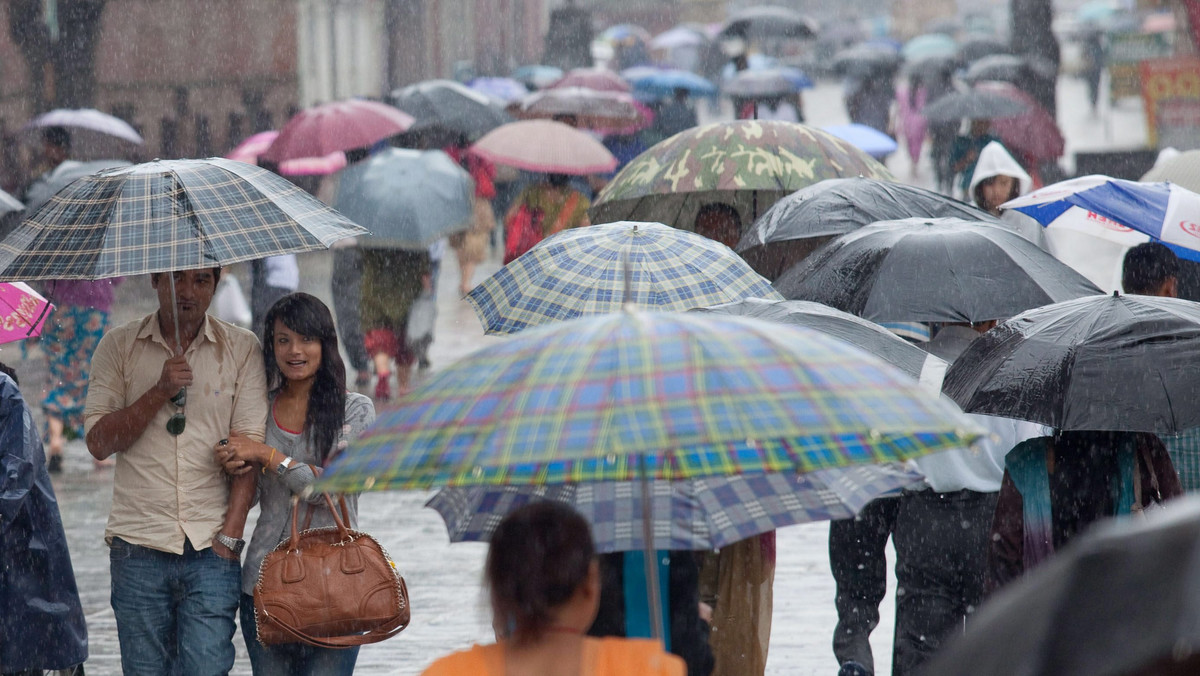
{"points": [[651, 554], [175, 314]]}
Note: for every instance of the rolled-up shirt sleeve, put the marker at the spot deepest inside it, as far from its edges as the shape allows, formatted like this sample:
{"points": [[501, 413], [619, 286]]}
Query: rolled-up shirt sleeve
{"points": [[250, 396], [106, 383]]}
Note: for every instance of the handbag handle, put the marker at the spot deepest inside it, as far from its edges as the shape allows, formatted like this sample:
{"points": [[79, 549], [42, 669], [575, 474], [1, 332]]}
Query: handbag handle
{"points": [[391, 628], [343, 532]]}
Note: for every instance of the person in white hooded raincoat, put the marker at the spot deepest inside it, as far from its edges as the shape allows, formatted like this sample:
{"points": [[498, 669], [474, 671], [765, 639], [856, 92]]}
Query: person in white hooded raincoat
{"points": [[998, 178]]}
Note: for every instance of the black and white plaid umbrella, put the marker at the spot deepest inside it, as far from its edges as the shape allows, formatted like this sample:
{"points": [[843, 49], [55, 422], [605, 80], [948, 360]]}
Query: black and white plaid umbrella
{"points": [[168, 215]]}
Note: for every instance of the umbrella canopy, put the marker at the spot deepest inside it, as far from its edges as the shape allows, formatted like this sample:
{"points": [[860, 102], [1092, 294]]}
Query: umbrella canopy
{"points": [[866, 60], [168, 215], [598, 79], [933, 270], [700, 514], [88, 119], [1164, 211], [867, 139], [1121, 599], [766, 21], [537, 76], [799, 223], [747, 164], [42, 189], [868, 336], [1096, 363], [974, 104], [503, 89], [248, 151], [655, 395], [23, 312], [409, 198], [595, 270], [979, 46], [754, 84], [999, 67], [932, 68], [679, 36], [591, 109], [929, 45], [448, 105], [1182, 170], [1033, 134], [662, 82], [330, 127], [545, 146]]}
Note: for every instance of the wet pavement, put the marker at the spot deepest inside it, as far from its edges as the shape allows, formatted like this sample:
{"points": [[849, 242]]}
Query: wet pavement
{"points": [[449, 610]]}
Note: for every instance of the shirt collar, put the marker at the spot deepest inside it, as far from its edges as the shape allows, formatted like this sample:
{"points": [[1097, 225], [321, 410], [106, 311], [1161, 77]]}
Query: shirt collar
{"points": [[151, 330]]}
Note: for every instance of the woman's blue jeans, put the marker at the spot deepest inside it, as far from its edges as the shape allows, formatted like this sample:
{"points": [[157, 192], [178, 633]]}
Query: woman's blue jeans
{"points": [[292, 659]]}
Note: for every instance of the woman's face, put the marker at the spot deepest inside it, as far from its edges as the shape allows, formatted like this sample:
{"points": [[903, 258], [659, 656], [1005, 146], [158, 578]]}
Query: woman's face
{"points": [[297, 356], [997, 191]]}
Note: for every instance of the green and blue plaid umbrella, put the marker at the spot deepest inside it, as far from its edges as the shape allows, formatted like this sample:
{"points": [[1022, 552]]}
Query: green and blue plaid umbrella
{"points": [[595, 270], [649, 395], [168, 215], [687, 515]]}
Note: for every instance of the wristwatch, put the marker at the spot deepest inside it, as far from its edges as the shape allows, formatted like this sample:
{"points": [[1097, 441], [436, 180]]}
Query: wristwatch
{"points": [[283, 466], [235, 545]]}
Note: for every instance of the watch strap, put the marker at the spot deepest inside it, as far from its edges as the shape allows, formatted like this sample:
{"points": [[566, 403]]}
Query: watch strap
{"points": [[235, 545]]}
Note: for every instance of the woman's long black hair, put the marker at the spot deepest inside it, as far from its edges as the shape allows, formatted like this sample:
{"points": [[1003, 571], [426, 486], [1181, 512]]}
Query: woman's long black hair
{"points": [[307, 315]]}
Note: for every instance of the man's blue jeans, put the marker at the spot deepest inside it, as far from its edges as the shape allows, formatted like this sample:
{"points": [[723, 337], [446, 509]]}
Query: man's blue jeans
{"points": [[175, 613]]}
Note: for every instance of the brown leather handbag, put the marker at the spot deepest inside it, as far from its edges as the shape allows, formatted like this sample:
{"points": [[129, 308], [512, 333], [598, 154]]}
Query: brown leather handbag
{"points": [[330, 587]]}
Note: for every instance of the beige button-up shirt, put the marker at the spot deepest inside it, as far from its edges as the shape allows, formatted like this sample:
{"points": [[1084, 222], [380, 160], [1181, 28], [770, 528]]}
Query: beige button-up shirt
{"points": [[168, 488]]}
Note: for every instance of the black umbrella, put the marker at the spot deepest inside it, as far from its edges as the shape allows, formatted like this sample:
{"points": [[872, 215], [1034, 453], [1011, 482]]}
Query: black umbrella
{"points": [[799, 223], [1121, 599], [854, 330], [751, 84], [974, 104], [449, 106], [768, 22], [976, 48], [932, 68], [1002, 67], [866, 60], [1098, 363], [933, 270]]}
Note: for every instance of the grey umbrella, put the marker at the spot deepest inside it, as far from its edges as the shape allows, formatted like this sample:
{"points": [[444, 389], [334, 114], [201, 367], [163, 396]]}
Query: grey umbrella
{"points": [[974, 104], [409, 199], [854, 330], [1121, 599], [1096, 363], [1002, 67], [798, 224], [933, 270], [750, 84]]}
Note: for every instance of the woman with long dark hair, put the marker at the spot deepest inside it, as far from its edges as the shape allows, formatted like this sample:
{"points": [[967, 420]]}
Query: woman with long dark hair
{"points": [[544, 584], [312, 419]]}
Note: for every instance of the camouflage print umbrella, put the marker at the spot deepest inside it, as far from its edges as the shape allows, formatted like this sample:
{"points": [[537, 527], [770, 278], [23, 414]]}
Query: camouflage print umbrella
{"points": [[748, 164]]}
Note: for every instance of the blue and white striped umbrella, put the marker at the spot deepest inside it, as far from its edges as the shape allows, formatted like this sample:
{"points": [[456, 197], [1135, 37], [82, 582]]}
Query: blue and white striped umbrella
{"points": [[692, 514], [1111, 208], [584, 272]]}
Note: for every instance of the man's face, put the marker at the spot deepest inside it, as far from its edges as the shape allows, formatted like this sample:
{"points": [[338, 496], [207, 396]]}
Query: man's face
{"points": [[194, 291]]}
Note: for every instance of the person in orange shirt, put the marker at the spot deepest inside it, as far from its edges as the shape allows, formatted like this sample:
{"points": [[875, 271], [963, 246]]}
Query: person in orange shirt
{"points": [[544, 582]]}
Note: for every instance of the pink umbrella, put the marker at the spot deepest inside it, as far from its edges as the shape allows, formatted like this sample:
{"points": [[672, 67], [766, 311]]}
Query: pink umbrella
{"points": [[332, 127], [600, 79], [248, 151], [545, 146], [23, 312], [1033, 134]]}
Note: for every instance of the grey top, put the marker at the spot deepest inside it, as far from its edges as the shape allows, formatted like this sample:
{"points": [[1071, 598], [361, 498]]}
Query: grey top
{"points": [[275, 493]]}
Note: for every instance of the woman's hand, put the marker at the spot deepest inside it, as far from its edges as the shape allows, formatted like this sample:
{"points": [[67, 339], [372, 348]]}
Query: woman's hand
{"points": [[239, 454]]}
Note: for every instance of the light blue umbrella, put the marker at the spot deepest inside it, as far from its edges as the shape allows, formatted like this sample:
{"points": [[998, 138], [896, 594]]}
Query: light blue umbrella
{"points": [[867, 139], [929, 45], [660, 82], [408, 199]]}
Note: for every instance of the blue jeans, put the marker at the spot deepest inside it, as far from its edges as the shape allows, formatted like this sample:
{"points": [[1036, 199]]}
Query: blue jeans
{"points": [[292, 659], [175, 612]]}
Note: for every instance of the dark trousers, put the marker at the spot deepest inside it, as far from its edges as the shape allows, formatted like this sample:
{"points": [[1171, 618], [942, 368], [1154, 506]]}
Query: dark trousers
{"points": [[941, 542], [859, 563], [345, 287]]}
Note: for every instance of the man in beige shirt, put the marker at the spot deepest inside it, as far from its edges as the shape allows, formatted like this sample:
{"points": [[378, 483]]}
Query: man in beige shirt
{"points": [[176, 523]]}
